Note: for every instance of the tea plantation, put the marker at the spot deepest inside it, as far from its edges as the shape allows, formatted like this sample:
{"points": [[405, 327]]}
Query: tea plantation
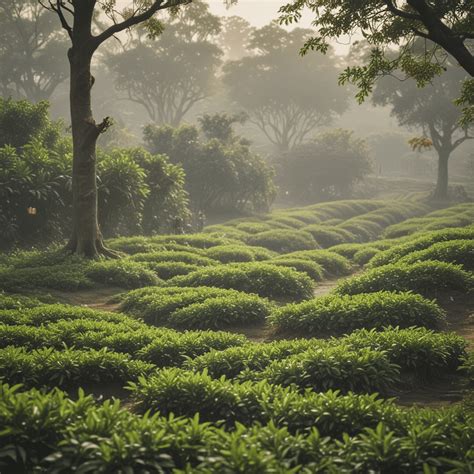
{"points": [[333, 338]]}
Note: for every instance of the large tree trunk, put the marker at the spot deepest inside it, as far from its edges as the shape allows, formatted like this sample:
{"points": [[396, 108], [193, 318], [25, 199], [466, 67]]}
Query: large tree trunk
{"points": [[441, 190], [86, 239]]}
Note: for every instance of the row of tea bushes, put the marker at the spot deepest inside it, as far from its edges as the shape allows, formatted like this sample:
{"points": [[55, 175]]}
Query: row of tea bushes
{"points": [[334, 314], [460, 215], [422, 242], [429, 278], [48, 432], [195, 308], [419, 351], [266, 280]]}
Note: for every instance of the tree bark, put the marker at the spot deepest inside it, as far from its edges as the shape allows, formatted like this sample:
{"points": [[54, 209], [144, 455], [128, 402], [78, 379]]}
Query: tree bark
{"points": [[441, 190], [86, 239]]}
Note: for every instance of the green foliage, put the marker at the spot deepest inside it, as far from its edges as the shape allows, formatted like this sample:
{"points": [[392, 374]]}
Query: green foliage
{"points": [[220, 175], [339, 368], [199, 241], [313, 270], [332, 263], [67, 368], [232, 253], [327, 167], [364, 255], [283, 241], [395, 253], [16, 301], [67, 276], [335, 314], [221, 312], [260, 278], [123, 273], [329, 236], [195, 308], [183, 256], [427, 277], [167, 270], [454, 251]]}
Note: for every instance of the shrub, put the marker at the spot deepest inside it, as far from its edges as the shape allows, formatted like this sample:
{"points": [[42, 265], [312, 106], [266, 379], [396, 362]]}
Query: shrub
{"points": [[454, 251], [175, 349], [327, 236], [231, 253], [313, 270], [396, 252], [59, 277], [339, 314], [173, 256], [427, 278], [287, 221], [337, 367], [332, 263], [283, 241], [51, 313], [418, 350], [261, 278], [167, 270], [123, 273], [201, 241], [67, 368], [253, 227], [158, 305], [363, 256], [15, 301], [221, 312]]}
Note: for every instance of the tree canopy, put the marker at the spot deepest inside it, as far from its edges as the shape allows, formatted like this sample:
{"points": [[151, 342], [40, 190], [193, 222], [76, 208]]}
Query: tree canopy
{"points": [[285, 97]]}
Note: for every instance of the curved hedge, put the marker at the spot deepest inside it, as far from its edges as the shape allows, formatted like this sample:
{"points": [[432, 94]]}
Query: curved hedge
{"points": [[260, 278], [336, 314], [427, 278], [221, 312], [454, 251], [361, 371], [283, 241], [168, 270], [313, 270], [327, 236], [157, 306], [68, 368], [395, 253], [173, 256], [332, 263], [231, 253], [123, 273]]}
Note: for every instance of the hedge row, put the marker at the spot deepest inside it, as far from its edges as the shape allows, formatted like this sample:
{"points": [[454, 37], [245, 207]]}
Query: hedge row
{"points": [[334, 314], [48, 432]]}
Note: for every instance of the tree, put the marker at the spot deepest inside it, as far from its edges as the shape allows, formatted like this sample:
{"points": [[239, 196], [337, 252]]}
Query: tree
{"points": [[76, 17], [234, 37], [432, 110], [32, 62], [168, 76], [447, 25], [324, 168], [285, 97], [222, 174]]}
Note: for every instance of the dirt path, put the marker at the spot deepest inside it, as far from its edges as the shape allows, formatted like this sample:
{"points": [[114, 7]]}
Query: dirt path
{"points": [[96, 298]]}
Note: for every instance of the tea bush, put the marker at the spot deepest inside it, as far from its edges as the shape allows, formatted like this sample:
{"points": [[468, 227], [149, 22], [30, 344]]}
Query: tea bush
{"points": [[454, 251], [123, 273], [327, 236], [231, 253], [313, 270], [168, 270], [16, 301], [338, 367], [68, 368], [60, 277], [158, 306], [395, 253], [332, 263], [182, 256], [221, 312], [200, 241], [363, 256], [283, 241], [427, 278], [260, 278], [335, 314]]}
